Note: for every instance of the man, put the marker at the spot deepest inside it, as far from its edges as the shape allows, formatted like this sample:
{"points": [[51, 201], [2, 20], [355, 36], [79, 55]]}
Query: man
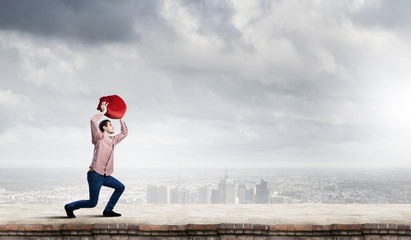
{"points": [[101, 167]]}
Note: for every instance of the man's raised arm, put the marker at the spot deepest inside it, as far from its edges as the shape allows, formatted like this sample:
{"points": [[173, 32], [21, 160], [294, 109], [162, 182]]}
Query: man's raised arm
{"points": [[123, 133], [96, 134]]}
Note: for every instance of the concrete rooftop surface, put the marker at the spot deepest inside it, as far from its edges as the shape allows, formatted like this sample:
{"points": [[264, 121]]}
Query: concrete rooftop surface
{"points": [[212, 214]]}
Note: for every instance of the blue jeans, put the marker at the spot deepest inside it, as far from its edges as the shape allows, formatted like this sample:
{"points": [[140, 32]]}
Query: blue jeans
{"points": [[95, 181]]}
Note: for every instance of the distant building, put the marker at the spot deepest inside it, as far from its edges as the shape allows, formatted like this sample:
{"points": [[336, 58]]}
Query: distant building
{"points": [[174, 195], [249, 195], [204, 195], [225, 193], [184, 196], [179, 196], [157, 194], [241, 192], [215, 196], [227, 187], [245, 195], [262, 193]]}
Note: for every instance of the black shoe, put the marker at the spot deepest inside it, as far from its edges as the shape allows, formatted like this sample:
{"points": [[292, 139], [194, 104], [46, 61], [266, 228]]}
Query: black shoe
{"points": [[70, 213], [111, 214]]}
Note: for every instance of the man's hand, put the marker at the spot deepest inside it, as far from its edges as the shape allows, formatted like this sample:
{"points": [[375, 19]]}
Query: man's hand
{"points": [[104, 107]]}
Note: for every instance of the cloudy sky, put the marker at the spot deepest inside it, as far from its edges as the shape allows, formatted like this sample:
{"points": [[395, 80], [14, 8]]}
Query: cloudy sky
{"points": [[208, 83]]}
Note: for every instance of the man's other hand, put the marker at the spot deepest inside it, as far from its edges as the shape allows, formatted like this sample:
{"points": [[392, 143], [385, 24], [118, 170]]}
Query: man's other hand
{"points": [[104, 107]]}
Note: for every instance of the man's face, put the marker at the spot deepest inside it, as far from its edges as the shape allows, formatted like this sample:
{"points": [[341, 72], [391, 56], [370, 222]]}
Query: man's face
{"points": [[109, 128]]}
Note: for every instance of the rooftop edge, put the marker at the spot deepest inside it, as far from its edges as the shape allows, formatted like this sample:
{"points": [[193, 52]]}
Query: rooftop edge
{"points": [[237, 230]]}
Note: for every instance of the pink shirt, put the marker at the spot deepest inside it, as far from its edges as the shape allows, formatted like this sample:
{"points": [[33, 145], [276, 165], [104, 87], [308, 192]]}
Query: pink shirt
{"points": [[104, 146]]}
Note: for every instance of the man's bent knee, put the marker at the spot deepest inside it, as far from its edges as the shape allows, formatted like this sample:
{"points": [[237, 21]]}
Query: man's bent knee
{"points": [[92, 203]]}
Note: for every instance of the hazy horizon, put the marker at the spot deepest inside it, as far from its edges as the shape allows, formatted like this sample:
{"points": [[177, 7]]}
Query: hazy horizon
{"points": [[284, 186]]}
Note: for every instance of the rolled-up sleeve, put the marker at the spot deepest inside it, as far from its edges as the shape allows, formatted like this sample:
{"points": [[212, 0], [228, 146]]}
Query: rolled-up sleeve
{"points": [[122, 134]]}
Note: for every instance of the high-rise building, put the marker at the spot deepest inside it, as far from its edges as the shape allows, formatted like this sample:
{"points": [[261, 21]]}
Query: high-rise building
{"points": [[249, 195], [245, 195], [262, 193], [228, 191], [174, 195], [157, 194], [241, 192], [179, 195], [215, 196], [204, 194], [225, 193], [184, 196]]}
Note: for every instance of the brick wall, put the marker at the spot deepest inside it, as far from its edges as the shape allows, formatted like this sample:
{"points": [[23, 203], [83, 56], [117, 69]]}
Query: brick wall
{"points": [[206, 231]]}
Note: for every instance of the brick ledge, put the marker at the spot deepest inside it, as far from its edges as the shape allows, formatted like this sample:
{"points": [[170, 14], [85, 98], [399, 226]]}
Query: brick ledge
{"points": [[210, 230]]}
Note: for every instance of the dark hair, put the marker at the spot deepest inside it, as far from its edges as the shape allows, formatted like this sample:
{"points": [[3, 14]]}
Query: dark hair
{"points": [[103, 124]]}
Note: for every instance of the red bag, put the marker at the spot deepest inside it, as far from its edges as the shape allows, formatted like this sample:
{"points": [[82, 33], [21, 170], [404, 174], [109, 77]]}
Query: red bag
{"points": [[116, 107]]}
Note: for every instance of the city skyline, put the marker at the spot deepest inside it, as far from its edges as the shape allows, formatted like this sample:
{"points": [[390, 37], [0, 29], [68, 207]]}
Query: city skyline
{"points": [[252, 186]]}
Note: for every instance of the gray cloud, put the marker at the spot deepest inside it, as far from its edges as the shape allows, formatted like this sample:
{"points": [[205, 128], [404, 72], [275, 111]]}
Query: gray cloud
{"points": [[215, 18], [392, 15], [86, 21]]}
